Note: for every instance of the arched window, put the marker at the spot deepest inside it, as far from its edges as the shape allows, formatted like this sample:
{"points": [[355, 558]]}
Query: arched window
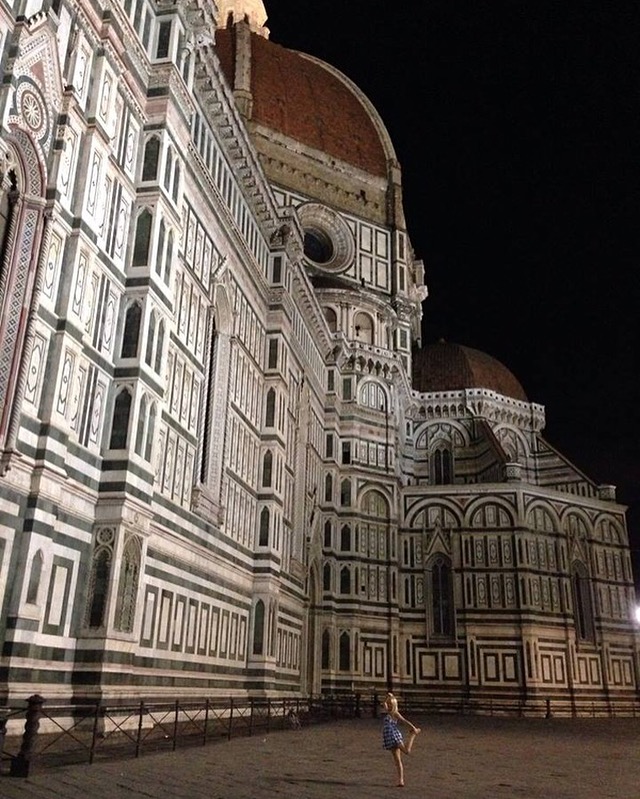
{"points": [[345, 580], [345, 652], [142, 238], [326, 577], [168, 169], [168, 258], [157, 366], [7, 200], [345, 538], [582, 607], [267, 467], [441, 597], [120, 424], [272, 358], [345, 492], [372, 395], [328, 488], [151, 334], [207, 432], [176, 181], [270, 410], [363, 325], [328, 533], [160, 247], [258, 628], [150, 432], [332, 319], [98, 587], [131, 332], [150, 162], [142, 425], [326, 649], [442, 464], [128, 585], [34, 578], [263, 539]]}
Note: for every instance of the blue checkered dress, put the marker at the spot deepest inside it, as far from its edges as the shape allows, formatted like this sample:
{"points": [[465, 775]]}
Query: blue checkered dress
{"points": [[391, 735]]}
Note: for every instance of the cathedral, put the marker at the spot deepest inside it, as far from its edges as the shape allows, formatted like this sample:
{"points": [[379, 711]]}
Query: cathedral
{"points": [[229, 465]]}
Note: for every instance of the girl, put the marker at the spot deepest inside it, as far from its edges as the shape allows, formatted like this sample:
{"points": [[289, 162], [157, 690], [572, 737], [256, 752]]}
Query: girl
{"points": [[392, 737]]}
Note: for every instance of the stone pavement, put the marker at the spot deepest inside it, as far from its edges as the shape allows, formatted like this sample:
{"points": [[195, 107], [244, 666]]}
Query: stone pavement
{"points": [[461, 757]]}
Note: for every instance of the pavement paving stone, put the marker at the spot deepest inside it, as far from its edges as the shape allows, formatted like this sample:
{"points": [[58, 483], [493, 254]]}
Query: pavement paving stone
{"points": [[453, 758]]}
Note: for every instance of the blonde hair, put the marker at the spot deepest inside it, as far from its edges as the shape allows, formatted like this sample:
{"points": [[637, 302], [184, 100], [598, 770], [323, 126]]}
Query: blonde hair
{"points": [[391, 703]]}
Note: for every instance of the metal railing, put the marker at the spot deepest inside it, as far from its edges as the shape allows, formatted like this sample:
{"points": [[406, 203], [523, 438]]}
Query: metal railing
{"points": [[56, 734], [59, 734]]}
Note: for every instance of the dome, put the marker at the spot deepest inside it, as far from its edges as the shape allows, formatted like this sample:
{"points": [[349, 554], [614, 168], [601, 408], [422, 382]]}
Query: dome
{"points": [[303, 99], [452, 367]]}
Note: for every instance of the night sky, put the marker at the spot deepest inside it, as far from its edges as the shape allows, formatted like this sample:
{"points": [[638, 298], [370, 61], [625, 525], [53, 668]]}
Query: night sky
{"points": [[517, 126]]}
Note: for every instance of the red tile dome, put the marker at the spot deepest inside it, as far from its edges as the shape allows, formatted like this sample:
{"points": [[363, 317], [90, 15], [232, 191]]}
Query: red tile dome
{"points": [[307, 101], [451, 367]]}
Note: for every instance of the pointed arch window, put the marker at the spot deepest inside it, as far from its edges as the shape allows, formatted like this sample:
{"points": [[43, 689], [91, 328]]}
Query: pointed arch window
{"points": [[270, 409], [263, 538], [98, 587], [151, 156], [345, 651], [128, 585], [326, 649], [442, 464], [168, 258], [207, 432], [151, 334], [345, 580], [157, 366], [582, 605], [151, 429], [35, 576], [142, 425], [345, 538], [131, 332], [176, 181], [328, 534], [168, 169], [162, 230], [345, 492], [328, 488], [142, 238], [326, 577], [120, 424], [267, 468], [441, 596], [258, 628]]}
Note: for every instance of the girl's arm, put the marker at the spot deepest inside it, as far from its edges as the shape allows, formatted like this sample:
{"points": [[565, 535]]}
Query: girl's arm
{"points": [[406, 721]]}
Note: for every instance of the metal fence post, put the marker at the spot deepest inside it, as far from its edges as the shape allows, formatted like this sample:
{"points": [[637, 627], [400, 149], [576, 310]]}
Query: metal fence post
{"points": [[206, 722], [139, 738], [358, 711], [175, 725], [94, 732], [3, 730], [375, 706], [21, 764], [231, 718]]}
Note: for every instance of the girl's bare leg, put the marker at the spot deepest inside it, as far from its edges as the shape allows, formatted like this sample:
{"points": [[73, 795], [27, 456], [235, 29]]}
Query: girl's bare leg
{"points": [[411, 739], [397, 758]]}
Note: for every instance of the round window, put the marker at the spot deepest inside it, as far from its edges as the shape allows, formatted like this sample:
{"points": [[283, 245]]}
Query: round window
{"points": [[318, 246], [328, 241]]}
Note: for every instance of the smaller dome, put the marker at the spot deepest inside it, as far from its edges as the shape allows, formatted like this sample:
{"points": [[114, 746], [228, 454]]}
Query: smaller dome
{"points": [[452, 367]]}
